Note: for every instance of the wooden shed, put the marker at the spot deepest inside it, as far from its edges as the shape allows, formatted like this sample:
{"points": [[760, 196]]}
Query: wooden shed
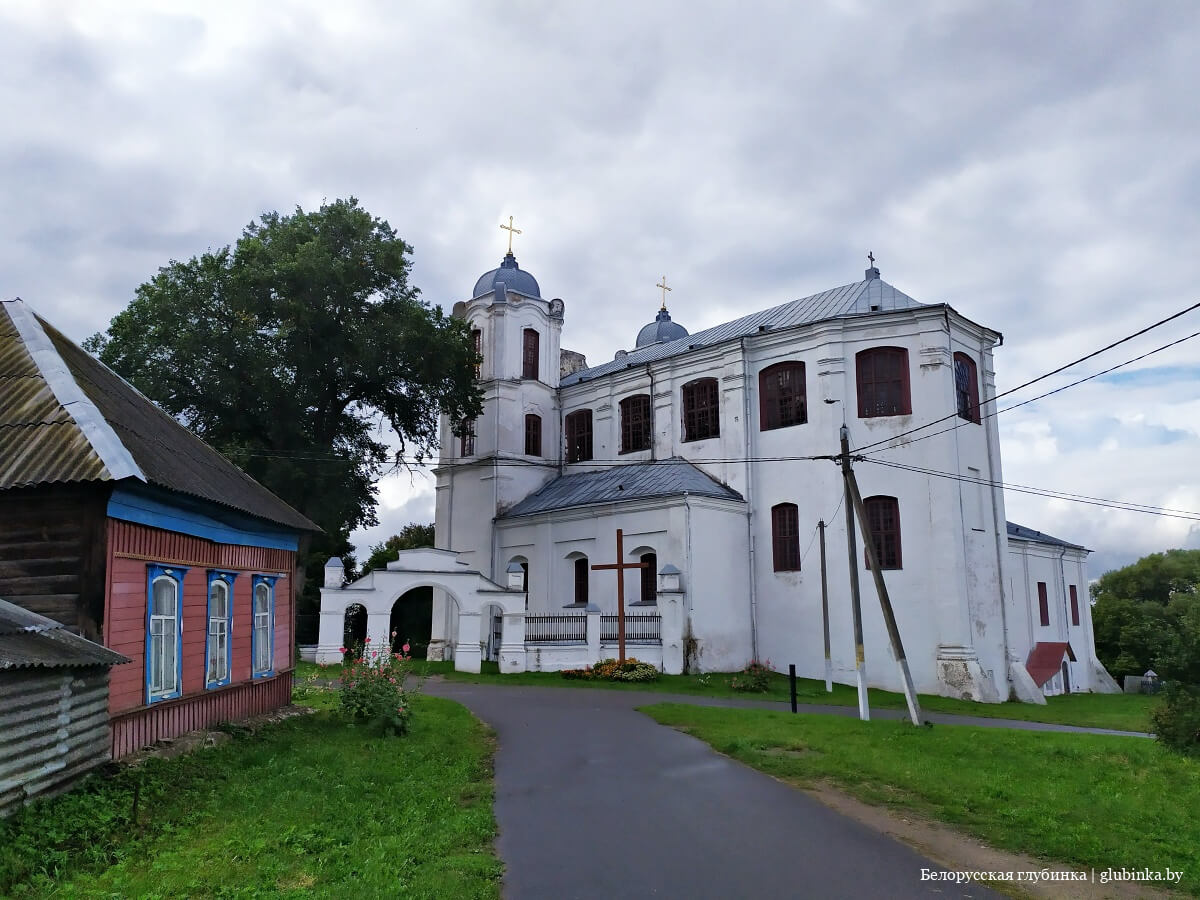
{"points": [[118, 522]]}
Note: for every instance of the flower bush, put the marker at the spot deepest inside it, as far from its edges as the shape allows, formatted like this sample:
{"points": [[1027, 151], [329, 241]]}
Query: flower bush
{"points": [[372, 689], [755, 678], [611, 670]]}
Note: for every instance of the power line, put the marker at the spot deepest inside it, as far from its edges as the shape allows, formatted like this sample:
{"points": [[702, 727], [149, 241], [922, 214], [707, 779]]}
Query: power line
{"points": [[1019, 387]]}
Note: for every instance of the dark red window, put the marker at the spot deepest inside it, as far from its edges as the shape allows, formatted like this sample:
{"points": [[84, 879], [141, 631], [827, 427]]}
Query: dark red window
{"points": [[781, 396], [882, 374], [533, 435], [966, 387], [1074, 605], [581, 581], [1043, 603], [477, 345], [578, 426], [785, 537], [635, 423], [466, 438], [883, 521], [529, 353], [701, 411], [649, 574]]}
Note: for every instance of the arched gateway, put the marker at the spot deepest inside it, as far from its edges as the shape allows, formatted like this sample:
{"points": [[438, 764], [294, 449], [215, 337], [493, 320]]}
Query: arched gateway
{"points": [[467, 635]]}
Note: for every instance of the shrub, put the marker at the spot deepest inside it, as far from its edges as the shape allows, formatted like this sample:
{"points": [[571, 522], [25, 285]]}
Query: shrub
{"points": [[373, 689], [1177, 718], [755, 678]]}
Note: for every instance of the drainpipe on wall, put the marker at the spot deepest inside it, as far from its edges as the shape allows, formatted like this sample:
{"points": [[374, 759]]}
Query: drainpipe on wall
{"points": [[749, 500]]}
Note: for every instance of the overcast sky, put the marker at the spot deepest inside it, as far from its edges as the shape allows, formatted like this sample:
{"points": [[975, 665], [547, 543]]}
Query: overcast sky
{"points": [[1034, 164]]}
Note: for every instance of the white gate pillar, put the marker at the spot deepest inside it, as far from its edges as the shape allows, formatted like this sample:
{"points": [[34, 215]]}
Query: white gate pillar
{"points": [[512, 642], [330, 635], [671, 604], [468, 654], [378, 624]]}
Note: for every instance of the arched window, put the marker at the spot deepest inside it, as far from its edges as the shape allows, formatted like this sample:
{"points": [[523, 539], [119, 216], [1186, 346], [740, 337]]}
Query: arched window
{"points": [[164, 636], [649, 577], [466, 437], [533, 435], [578, 427], [635, 423], [262, 638], [701, 410], [782, 401], [220, 624], [883, 521], [785, 537], [883, 382], [530, 342], [966, 387], [581, 581]]}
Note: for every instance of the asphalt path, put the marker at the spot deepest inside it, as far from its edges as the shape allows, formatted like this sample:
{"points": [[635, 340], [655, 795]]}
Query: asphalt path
{"points": [[594, 799]]}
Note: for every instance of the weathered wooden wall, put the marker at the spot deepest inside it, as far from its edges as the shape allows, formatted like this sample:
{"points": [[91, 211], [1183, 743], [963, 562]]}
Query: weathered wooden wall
{"points": [[52, 553]]}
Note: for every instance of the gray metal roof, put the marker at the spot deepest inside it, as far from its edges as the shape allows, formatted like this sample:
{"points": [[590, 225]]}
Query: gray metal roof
{"points": [[640, 481], [1029, 534], [31, 641], [870, 295], [67, 417]]}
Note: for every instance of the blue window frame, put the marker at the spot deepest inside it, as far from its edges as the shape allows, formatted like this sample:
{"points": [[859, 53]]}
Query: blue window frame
{"points": [[262, 633], [217, 642], [164, 632]]}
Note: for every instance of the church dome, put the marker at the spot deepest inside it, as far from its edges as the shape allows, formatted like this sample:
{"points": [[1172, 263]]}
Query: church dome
{"points": [[661, 330], [510, 275]]}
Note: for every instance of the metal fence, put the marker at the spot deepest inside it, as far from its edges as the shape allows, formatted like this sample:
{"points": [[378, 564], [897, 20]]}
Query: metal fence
{"points": [[547, 629], [638, 629]]}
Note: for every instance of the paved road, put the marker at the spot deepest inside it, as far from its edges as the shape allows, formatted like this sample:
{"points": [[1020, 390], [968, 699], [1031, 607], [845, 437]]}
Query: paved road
{"points": [[594, 799]]}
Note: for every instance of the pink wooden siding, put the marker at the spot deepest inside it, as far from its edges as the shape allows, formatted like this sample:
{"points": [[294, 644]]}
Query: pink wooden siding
{"points": [[130, 548]]}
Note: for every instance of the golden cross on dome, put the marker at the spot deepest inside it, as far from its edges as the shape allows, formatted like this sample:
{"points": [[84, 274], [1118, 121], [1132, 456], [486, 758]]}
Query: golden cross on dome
{"points": [[663, 284], [511, 231]]}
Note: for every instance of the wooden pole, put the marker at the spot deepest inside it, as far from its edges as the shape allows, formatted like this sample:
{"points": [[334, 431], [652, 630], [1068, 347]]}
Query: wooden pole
{"points": [[825, 610], [864, 710], [885, 602], [620, 597]]}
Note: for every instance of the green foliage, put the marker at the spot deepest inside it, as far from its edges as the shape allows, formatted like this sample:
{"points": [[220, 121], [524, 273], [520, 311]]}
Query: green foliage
{"points": [[1155, 578], [630, 671], [287, 351], [755, 678], [411, 537], [307, 807], [372, 689], [1177, 718]]}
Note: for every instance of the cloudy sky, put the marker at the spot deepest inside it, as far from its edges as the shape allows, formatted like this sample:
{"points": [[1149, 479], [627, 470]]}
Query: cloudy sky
{"points": [[1036, 165]]}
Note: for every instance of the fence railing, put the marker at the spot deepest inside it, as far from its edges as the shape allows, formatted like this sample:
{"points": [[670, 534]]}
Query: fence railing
{"points": [[638, 629], [547, 629]]}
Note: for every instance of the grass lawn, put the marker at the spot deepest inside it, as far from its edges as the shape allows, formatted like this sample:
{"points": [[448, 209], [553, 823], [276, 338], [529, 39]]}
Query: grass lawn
{"points": [[1087, 800], [309, 806], [1121, 712]]}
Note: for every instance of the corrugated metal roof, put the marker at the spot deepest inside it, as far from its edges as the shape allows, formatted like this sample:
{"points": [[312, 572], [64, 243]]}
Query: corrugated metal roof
{"points": [[31, 641], [1045, 660], [665, 478], [861, 297], [1029, 534], [109, 423]]}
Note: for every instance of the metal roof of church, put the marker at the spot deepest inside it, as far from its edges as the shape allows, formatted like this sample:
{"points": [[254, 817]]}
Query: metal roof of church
{"points": [[867, 296], [1029, 534], [638, 481]]}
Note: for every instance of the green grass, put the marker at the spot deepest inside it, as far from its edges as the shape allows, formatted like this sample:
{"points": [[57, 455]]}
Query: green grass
{"points": [[1120, 712], [311, 806], [1086, 800]]}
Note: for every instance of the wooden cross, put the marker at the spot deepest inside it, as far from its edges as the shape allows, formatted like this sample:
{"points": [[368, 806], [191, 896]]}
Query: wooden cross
{"points": [[663, 284], [511, 231], [870, 256], [621, 567]]}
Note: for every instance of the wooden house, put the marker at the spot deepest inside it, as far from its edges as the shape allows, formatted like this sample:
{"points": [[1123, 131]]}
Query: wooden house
{"points": [[118, 522]]}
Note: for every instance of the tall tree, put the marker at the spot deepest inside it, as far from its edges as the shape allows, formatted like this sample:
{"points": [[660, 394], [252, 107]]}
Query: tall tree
{"points": [[290, 351]]}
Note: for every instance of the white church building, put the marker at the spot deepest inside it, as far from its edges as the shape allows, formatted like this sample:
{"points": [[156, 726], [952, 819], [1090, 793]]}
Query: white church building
{"points": [[697, 446]]}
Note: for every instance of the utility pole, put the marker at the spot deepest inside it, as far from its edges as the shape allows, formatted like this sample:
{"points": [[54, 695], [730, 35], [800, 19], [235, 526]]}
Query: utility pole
{"points": [[864, 710], [885, 603], [825, 611]]}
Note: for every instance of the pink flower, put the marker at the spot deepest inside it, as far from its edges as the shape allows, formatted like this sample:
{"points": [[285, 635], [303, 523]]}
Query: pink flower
{"points": [[405, 648], [341, 649], [368, 640]]}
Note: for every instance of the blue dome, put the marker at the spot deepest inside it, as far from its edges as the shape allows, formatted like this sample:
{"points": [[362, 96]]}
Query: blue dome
{"points": [[510, 275], [661, 330]]}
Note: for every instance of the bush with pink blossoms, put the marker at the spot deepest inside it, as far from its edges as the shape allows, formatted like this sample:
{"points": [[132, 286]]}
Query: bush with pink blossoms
{"points": [[373, 691]]}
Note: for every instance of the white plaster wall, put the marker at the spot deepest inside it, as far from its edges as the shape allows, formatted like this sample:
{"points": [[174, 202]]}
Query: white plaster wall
{"points": [[716, 577]]}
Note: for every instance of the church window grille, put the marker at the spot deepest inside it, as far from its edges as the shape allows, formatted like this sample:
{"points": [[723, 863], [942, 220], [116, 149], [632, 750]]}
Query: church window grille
{"points": [[477, 346], [781, 396], [1074, 605], [701, 410], [579, 436], [533, 435], [581, 581], [966, 387], [635, 423], [529, 353], [649, 577], [785, 537], [466, 438], [1043, 603], [883, 521], [883, 387]]}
